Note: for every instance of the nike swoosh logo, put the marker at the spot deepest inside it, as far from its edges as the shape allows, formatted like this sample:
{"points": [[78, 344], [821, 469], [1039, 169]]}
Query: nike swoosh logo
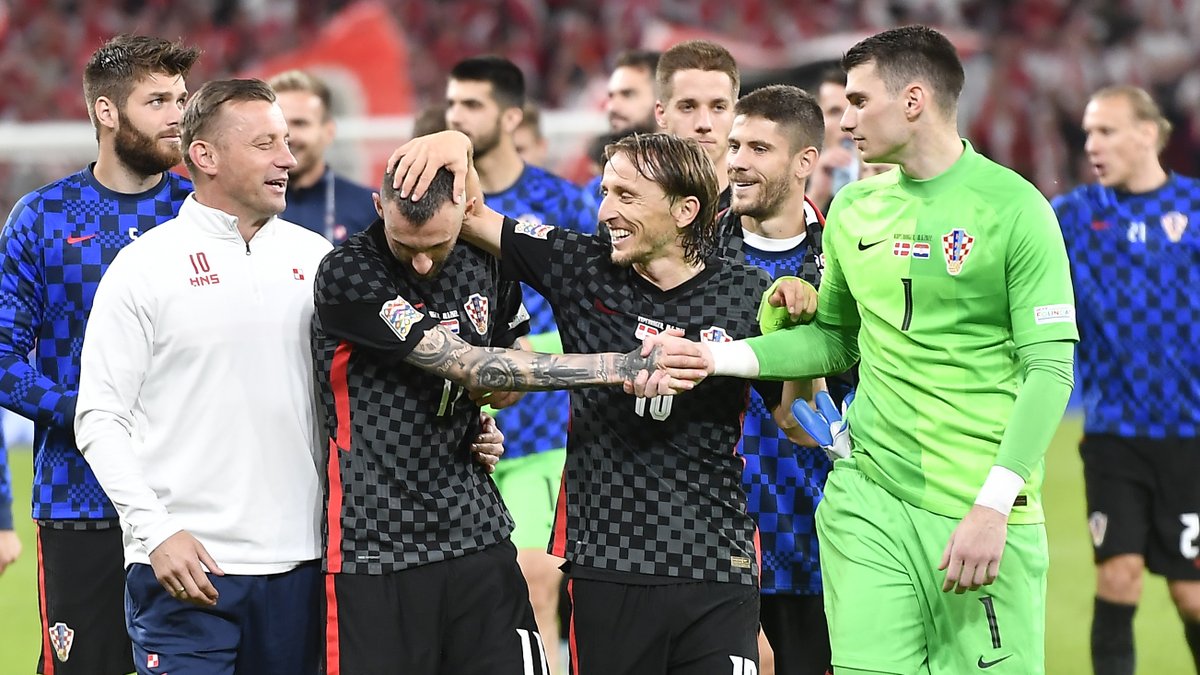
{"points": [[863, 247], [984, 665], [79, 240]]}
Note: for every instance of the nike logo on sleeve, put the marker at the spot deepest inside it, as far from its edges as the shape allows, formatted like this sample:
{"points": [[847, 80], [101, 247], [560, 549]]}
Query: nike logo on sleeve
{"points": [[863, 247]]}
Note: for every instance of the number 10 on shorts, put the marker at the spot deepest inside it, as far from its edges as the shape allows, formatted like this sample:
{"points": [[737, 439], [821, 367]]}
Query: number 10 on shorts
{"points": [[743, 666]]}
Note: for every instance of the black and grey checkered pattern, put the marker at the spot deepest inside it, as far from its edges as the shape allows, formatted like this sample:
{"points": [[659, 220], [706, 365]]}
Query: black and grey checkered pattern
{"points": [[403, 489], [651, 487]]}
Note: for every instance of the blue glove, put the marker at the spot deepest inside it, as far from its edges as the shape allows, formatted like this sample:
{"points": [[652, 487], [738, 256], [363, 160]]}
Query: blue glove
{"points": [[825, 424]]}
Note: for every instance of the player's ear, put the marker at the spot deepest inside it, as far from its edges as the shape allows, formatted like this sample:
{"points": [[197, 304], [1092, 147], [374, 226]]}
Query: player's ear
{"points": [[511, 119], [378, 203], [916, 99], [685, 211], [660, 115], [804, 163], [204, 156], [106, 113]]}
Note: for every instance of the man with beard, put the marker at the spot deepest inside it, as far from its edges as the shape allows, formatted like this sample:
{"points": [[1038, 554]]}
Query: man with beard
{"points": [[697, 84], [773, 149], [57, 243], [484, 98], [317, 197]]}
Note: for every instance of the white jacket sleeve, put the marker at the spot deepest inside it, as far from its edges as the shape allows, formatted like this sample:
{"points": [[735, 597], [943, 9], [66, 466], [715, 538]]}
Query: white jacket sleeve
{"points": [[117, 347]]}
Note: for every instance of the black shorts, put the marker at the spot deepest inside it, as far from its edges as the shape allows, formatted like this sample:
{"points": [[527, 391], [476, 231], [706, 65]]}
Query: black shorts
{"points": [[699, 628], [799, 635], [464, 616], [1144, 497], [81, 596]]}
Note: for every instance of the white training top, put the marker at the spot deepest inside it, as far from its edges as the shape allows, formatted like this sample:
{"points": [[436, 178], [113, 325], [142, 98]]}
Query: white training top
{"points": [[196, 408]]}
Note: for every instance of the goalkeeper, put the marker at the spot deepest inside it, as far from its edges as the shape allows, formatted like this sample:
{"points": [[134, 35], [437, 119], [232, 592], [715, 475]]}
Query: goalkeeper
{"points": [[948, 280]]}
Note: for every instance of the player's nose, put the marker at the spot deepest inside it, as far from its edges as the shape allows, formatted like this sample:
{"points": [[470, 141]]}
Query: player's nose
{"points": [[422, 264]]}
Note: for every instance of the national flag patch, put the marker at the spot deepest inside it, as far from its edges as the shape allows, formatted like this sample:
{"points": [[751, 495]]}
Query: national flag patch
{"points": [[450, 325], [902, 249], [532, 228], [62, 637], [956, 246], [920, 250], [477, 312], [715, 334], [644, 331], [1054, 314], [400, 316]]}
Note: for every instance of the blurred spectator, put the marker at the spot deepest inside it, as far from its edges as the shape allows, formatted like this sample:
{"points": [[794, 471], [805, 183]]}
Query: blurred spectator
{"points": [[528, 137]]}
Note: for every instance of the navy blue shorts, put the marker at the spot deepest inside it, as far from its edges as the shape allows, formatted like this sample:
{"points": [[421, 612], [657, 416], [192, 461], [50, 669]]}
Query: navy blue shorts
{"points": [[264, 625]]}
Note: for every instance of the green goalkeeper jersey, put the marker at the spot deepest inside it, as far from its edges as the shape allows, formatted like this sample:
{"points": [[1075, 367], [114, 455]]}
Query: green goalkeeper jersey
{"points": [[945, 279]]}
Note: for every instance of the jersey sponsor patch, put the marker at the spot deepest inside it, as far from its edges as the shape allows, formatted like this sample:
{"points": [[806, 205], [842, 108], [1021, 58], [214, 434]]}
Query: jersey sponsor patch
{"points": [[400, 316], [531, 227], [477, 312], [715, 334], [1174, 223], [956, 246], [62, 637], [1054, 314]]}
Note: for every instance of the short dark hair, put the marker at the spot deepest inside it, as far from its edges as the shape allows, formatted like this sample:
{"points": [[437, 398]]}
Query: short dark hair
{"points": [[834, 75], [680, 167], [507, 80], [904, 55], [694, 55], [119, 64], [796, 112], [302, 80], [205, 105], [645, 59], [439, 193]]}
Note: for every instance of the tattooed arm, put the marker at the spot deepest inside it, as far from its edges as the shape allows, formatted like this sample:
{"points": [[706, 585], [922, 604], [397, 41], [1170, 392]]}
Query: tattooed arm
{"points": [[442, 352]]}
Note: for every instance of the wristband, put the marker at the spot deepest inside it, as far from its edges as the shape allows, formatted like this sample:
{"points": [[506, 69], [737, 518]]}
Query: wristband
{"points": [[735, 359], [1000, 490]]}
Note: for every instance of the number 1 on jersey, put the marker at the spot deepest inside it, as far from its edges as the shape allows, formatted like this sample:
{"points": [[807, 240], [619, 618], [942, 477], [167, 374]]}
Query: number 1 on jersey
{"points": [[908, 303]]}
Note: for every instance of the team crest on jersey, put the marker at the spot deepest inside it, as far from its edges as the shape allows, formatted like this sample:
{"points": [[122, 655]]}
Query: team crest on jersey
{"points": [[400, 316], [1174, 223], [956, 246], [715, 334], [532, 226], [1098, 525], [62, 637], [477, 312], [298, 273]]}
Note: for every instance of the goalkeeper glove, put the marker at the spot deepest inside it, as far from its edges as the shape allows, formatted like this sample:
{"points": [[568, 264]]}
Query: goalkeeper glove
{"points": [[825, 424]]}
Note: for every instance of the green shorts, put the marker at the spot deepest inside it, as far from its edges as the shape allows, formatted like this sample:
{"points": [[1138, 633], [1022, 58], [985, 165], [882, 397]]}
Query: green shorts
{"points": [[883, 591], [529, 486]]}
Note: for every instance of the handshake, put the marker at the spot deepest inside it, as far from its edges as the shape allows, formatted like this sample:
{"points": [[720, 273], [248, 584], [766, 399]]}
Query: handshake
{"points": [[673, 364]]}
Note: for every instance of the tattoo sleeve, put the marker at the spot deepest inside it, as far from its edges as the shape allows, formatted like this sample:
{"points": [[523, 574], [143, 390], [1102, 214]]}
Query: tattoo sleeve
{"points": [[442, 352]]}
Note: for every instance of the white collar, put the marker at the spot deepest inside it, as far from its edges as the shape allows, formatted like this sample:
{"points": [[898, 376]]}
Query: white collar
{"points": [[215, 221]]}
